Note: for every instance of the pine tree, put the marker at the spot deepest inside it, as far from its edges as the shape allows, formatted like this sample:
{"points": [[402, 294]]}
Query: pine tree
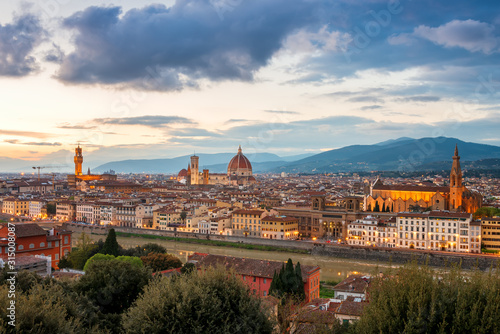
{"points": [[111, 245]]}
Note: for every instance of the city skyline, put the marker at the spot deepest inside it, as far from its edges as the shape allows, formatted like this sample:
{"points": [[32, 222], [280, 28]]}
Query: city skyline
{"points": [[174, 77]]}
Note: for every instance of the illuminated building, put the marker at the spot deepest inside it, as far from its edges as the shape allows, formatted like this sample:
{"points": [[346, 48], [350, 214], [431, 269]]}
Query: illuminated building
{"points": [[399, 198]]}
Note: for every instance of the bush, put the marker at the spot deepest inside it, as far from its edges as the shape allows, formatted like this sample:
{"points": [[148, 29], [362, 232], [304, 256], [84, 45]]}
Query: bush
{"points": [[212, 301]]}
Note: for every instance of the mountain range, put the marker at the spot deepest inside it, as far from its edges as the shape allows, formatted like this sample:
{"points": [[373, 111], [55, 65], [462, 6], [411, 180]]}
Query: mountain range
{"points": [[402, 154]]}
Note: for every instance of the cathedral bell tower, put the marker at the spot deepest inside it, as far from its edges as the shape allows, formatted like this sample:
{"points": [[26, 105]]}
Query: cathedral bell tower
{"points": [[456, 187], [78, 160]]}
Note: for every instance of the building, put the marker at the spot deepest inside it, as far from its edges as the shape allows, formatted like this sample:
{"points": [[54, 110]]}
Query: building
{"points": [[258, 274], [440, 231], [355, 286], [491, 233], [371, 231], [75, 180], [31, 239], [247, 223], [281, 228], [36, 208], [322, 220], [16, 206], [239, 172], [399, 198]]}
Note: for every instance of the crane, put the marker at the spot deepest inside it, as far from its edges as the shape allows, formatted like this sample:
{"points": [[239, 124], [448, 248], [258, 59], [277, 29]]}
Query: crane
{"points": [[42, 167]]}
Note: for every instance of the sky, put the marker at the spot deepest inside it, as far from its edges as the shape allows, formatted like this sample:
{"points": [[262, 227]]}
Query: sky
{"points": [[141, 79]]}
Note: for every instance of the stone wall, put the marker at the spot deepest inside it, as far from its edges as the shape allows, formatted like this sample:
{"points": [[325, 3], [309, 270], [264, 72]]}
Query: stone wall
{"points": [[399, 256], [92, 229]]}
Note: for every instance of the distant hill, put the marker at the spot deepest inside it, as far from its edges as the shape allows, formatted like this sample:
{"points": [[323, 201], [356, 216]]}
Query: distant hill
{"points": [[404, 154], [216, 163]]}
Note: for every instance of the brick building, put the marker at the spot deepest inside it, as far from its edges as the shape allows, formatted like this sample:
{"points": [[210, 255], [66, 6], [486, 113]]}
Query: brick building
{"points": [[258, 274], [31, 239]]}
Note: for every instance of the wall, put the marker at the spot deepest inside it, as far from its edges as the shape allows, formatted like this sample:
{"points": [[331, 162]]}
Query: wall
{"points": [[399, 256], [435, 259]]}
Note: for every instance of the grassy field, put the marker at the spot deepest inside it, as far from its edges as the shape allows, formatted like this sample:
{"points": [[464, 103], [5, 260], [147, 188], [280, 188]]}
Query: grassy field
{"points": [[215, 243]]}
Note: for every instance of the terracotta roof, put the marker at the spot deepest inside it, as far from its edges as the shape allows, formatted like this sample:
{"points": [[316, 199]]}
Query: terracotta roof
{"points": [[27, 230], [350, 307], [354, 284], [411, 188], [239, 161], [244, 266]]}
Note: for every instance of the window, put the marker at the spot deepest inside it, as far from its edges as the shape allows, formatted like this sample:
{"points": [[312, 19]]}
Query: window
{"points": [[254, 279], [265, 293], [32, 245], [265, 281], [57, 256], [42, 244], [20, 247]]}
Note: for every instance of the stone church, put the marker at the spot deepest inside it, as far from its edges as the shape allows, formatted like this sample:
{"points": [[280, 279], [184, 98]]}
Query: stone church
{"points": [[398, 198]]}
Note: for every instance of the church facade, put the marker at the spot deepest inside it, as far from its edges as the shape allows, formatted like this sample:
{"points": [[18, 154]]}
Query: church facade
{"points": [[239, 172], [400, 198]]}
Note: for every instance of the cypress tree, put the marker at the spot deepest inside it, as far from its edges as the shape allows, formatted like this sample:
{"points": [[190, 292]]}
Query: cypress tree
{"points": [[111, 245], [300, 293]]}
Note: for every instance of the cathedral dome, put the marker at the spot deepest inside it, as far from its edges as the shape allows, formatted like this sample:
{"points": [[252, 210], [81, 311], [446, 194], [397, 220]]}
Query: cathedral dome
{"points": [[182, 173], [239, 165]]}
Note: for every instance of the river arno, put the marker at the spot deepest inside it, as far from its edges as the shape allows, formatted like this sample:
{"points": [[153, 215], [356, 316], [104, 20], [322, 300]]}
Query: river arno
{"points": [[332, 269]]}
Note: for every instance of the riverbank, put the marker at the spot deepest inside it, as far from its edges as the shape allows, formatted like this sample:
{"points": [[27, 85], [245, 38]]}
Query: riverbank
{"points": [[215, 243], [387, 256]]}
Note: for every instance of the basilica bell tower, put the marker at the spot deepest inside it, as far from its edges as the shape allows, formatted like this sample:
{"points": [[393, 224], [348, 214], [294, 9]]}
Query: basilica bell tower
{"points": [[456, 187]]}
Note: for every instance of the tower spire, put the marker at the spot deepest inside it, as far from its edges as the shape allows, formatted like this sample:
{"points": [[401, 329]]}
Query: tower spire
{"points": [[239, 150], [456, 150]]}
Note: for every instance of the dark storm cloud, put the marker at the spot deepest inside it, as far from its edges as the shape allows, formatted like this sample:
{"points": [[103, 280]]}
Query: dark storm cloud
{"points": [[153, 121], [17, 41], [162, 48]]}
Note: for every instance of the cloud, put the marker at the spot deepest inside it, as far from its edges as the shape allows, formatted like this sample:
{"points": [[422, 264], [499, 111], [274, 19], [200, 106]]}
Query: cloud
{"points": [[193, 133], [17, 142], [283, 112], [55, 55], [76, 127], [17, 41], [372, 107], [160, 48], [471, 35], [365, 99], [153, 121], [25, 134], [421, 98]]}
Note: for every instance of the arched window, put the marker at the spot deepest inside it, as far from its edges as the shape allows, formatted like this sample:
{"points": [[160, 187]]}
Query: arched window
{"points": [[42, 244], [32, 245], [20, 247]]}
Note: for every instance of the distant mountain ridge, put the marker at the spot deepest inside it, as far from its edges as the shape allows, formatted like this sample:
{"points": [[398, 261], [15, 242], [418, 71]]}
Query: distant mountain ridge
{"points": [[404, 154]]}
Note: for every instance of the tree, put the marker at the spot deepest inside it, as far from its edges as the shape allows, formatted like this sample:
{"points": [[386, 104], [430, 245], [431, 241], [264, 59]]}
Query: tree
{"points": [[48, 308], [112, 285], [415, 299], [111, 245], [77, 258], [183, 215], [159, 262], [51, 209], [188, 268], [377, 207], [486, 211], [144, 250], [211, 301], [288, 282]]}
